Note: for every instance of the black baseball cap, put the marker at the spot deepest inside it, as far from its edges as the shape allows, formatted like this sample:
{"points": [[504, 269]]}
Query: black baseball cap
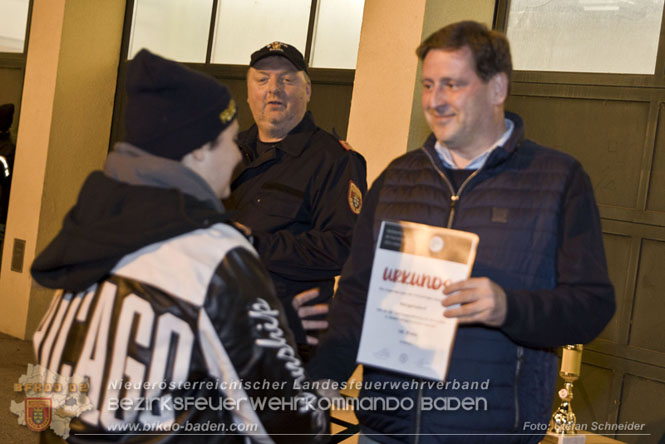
{"points": [[281, 49]]}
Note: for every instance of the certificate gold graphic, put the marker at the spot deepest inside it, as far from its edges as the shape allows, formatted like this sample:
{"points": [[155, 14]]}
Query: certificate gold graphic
{"points": [[404, 329]]}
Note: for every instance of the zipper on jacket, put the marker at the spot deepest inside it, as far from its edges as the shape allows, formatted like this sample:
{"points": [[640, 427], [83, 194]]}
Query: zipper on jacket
{"points": [[416, 438], [518, 367], [453, 201], [454, 197]]}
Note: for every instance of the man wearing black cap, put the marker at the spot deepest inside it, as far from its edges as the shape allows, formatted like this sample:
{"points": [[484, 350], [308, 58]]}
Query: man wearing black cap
{"points": [[166, 309], [299, 188]]}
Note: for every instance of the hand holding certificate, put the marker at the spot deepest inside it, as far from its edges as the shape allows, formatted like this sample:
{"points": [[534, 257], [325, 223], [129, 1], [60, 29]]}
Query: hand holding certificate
{"points": [[404, 327]]}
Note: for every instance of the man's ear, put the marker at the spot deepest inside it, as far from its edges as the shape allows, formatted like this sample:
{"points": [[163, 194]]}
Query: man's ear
{"points": [[201, 153], [499, 88], [308, 87], [198, 155], [247, 80]]}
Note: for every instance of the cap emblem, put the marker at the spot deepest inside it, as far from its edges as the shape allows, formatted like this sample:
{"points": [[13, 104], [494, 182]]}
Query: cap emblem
{"points": [[227, 115], [276, 46]]}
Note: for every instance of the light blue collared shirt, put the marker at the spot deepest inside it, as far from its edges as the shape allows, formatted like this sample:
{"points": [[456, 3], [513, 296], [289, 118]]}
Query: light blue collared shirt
{"points": [[478, 161]]}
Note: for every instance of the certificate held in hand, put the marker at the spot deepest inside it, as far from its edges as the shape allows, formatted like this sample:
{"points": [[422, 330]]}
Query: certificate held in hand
{"points": [[404, 329]]}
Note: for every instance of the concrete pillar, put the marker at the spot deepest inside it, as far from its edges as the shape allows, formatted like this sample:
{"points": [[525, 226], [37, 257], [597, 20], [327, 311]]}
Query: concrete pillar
{"points": [[67, 106], [386, 118]]}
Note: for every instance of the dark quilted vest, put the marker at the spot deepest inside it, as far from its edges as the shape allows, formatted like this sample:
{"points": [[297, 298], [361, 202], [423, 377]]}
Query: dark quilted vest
{"points": [[513, 203]]}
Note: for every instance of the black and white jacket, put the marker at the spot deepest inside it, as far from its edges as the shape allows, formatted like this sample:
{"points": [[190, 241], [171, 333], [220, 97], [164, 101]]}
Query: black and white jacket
{"points": [[186, 329]]}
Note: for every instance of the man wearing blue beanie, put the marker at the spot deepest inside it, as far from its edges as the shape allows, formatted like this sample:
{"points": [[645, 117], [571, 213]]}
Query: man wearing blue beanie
{"points": [[165, 307]]}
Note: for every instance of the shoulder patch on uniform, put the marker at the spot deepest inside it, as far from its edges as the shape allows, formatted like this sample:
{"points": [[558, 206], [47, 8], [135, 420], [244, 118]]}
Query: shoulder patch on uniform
{"points": [[346, 145], [355, 198]]}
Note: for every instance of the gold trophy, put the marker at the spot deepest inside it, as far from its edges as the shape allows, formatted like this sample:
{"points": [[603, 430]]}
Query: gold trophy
{"points": [[563, 424]]}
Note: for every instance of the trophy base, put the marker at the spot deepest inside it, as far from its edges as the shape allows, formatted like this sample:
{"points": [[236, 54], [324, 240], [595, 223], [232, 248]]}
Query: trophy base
{"points": [[554, 438]]}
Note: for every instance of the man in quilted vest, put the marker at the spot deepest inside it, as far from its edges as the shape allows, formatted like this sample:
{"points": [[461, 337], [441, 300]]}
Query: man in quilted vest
{"points": [[540, 277]]}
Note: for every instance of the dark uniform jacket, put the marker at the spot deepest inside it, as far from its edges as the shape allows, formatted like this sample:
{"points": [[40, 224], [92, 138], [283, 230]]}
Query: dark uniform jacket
{"points": [[301, 199], [540, 240], [163, 296]]}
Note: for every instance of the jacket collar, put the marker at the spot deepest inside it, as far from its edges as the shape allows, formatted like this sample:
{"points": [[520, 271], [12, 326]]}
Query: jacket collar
{"points": [[134, 166], [499, 155], [293, 144], [502, 153]]}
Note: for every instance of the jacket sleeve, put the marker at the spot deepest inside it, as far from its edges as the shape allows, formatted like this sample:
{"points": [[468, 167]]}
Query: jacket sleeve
{"points": [[319, 252], [336, 355], [244, 337], [582, 303]]}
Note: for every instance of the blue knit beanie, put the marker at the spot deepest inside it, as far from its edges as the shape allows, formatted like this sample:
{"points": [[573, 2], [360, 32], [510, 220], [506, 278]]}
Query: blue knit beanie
{"points": [[172, 110]]}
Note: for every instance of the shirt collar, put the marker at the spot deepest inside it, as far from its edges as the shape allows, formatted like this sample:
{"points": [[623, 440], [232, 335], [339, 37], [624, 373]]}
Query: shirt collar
{"points": [[478, 162], [293, 144]]}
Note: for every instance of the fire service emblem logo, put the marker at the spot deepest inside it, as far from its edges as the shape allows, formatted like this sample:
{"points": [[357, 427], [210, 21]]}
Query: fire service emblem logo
{"points": [[38, 413], [355, 198]]}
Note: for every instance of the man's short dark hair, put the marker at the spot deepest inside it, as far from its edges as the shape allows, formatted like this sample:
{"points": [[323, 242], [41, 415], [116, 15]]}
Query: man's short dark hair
{"points": [[490, 49]]}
